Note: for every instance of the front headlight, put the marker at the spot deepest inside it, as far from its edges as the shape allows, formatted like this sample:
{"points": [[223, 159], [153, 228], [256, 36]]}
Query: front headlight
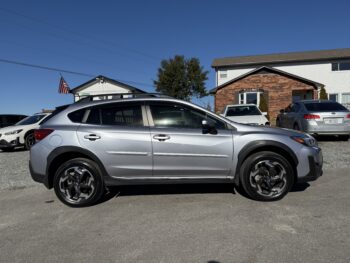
{"points": [[308, 141], [13, 132]]}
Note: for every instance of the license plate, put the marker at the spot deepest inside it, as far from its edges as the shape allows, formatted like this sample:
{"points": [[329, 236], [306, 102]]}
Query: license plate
{"points": [[333, 120]]}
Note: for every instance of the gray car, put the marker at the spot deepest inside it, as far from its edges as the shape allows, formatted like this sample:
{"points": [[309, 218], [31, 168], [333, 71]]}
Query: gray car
{"points": [[85, 148], [318, 117]]}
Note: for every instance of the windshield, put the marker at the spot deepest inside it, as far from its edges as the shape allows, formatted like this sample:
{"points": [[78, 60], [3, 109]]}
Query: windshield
{"points": [[325, 106], [242, 111], [31, 119]]}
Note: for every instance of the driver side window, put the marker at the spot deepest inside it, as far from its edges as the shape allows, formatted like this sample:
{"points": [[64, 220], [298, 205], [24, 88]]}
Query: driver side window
{"points": [[180, 116]]}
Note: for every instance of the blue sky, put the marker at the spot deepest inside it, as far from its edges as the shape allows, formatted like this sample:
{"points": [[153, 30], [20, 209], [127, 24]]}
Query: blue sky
{"points": [[126, 40]]}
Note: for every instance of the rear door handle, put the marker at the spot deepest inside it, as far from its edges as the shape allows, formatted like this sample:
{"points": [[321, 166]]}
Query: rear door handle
{"points": [[92, 137], [161, 137]]}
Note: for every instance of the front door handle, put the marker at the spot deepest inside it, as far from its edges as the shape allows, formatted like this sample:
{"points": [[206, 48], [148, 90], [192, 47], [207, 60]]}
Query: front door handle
{"points": [[92, 137], [161, 137]]}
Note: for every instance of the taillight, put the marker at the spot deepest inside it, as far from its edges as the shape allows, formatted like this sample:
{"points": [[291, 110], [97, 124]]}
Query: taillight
{"points": [[347, 116], [311, 116], [40, 134]]}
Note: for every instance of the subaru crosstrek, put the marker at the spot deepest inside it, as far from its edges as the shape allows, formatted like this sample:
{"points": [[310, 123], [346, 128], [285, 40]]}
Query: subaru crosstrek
{"points": [[91, 145]]}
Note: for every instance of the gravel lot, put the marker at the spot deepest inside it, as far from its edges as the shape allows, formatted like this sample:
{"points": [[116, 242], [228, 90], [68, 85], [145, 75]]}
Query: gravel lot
{"points": [[14, 172], [178, 223]]}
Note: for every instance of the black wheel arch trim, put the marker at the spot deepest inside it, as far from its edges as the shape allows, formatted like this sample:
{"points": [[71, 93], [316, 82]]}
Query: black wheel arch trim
{"points": [[261, 144], [72, 149]]}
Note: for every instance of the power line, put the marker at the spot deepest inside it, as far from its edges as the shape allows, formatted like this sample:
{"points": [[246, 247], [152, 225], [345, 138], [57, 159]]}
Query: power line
{"points": [[65, 71]]}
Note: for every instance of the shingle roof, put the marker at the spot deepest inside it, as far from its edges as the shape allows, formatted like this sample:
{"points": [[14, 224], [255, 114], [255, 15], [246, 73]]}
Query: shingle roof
{"points": [[100, 77], [305, 56], [271, 70]]}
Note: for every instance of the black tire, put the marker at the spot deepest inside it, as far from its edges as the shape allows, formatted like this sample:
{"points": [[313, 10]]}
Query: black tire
{"points": [[9, 149], [263, 182], [29, 141], [78, 183]]}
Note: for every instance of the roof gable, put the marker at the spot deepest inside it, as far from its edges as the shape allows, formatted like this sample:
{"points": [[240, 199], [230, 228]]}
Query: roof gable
{"points": [[267, 70], [103, 78]]}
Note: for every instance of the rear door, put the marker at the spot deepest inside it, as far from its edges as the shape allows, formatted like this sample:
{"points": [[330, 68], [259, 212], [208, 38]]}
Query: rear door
{"points": [[181, 149], [118, 134]]}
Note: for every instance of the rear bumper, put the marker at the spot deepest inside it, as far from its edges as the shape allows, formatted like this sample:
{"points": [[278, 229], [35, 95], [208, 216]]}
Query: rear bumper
{"points": [[40, 178]]}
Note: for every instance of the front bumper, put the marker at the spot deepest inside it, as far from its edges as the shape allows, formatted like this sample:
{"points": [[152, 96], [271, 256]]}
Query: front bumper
{"points": [[315, 165], [9, 143]]}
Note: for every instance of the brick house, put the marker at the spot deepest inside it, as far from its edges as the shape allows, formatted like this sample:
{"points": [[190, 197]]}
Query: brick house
{"points": [[277, 86]]}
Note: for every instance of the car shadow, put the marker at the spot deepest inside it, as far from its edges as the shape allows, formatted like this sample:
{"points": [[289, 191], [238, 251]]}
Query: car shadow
{"points": [[166, 189], [178, 189]]}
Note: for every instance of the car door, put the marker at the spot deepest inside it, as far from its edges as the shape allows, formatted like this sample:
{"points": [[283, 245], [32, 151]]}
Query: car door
{"points": [[181, 148], [118, 134]]}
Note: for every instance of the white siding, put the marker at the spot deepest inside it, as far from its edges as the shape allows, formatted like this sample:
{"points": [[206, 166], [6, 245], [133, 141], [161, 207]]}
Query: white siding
{"points": [[335, 81], [100, 88]]}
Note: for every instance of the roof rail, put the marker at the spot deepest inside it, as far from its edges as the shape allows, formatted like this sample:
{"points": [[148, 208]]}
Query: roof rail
{"points": [[120, 96]]}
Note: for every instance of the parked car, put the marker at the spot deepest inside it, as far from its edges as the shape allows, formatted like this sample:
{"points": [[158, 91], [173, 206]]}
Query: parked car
{"points": [[10, 119], [22, 133], [90, 145], [318, 117], [246, 113]]}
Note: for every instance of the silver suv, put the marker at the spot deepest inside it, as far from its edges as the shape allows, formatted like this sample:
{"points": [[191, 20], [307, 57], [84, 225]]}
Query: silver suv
{"points": [[90, 145]]}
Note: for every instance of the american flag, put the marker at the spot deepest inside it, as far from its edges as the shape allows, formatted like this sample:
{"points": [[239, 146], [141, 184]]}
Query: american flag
{"points": [[63, 87]]}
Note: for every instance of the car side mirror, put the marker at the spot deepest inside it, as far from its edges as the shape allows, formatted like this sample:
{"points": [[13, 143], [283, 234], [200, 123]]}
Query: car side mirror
{"points": [[208, 128], [264, 113]]}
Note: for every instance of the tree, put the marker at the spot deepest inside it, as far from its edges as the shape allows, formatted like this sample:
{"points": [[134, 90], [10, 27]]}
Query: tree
{"points": [[181, 78], [323, 94]]}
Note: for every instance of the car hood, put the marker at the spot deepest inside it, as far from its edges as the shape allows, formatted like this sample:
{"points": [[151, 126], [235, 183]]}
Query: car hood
{"points": [[244, 128], [249, 119]]}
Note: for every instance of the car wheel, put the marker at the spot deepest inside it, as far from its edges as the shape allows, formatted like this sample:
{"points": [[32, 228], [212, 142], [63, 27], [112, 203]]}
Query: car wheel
{"points": [[78, 183], [29, 141], [266, 176]]}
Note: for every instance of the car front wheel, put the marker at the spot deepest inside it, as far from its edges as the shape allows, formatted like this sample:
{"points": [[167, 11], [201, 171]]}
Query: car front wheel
{"points": [[78, 183], [266, 176]]}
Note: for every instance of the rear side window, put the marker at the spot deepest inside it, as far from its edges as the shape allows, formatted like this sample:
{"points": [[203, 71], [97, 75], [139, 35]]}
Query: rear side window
{"points": [[122, 115], [325, 106], [116, 114]]}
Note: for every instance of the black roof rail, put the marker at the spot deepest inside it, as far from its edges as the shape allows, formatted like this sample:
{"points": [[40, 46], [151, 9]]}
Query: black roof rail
{"points": [[119, 96]]}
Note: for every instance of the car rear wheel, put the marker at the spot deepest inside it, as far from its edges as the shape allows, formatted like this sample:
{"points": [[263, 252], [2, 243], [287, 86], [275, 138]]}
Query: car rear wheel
{"points": [[78, 183], [266, 176], [29, 141]]}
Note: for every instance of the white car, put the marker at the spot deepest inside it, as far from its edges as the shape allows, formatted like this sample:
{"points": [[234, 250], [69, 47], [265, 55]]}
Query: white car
{"points": [[22, 133], [245, 113]]}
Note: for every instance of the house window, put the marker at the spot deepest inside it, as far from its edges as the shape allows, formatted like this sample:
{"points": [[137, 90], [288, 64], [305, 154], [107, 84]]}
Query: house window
{"points": [[249, 98], [345, 98], [339, 66], [333, 97], [223, 74]]}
